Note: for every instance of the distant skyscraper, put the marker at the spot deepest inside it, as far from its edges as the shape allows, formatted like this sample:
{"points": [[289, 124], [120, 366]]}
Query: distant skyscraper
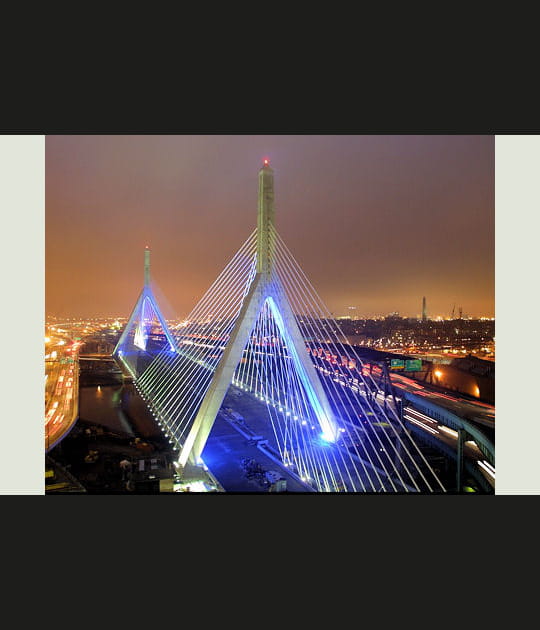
{"points": [[424, 315]]}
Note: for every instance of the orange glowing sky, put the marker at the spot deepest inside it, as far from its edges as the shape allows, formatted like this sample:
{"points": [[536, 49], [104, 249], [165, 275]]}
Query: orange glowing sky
{"points": [[375, 221]]}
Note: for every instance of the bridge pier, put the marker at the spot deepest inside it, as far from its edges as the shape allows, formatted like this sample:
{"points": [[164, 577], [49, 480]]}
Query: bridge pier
{"points": [[459, 459], [402, 432]]}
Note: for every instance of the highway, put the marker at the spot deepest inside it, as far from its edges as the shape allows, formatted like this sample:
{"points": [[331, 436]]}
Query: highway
{"points": [[476, 412], [61, 387], [473, 411], [449, 436]]}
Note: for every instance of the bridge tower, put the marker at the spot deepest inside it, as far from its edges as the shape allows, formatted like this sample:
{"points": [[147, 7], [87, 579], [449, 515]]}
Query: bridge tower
{"points": [[145, 311], [266, 289]]}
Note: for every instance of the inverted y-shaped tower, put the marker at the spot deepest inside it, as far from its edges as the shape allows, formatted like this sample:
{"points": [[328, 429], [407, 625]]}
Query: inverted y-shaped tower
{"points": [[266, 287], [145, 313]]}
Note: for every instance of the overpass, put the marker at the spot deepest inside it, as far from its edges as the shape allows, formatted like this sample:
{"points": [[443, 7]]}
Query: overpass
{"points": [[453, 435]]}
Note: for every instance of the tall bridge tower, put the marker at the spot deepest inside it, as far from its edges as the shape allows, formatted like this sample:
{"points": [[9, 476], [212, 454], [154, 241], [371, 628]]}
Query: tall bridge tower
{"points": [[266, 288], [144, 315]]}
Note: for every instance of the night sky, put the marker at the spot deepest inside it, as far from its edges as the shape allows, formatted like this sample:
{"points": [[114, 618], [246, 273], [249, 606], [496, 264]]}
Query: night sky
{"points": [[376, 222]]}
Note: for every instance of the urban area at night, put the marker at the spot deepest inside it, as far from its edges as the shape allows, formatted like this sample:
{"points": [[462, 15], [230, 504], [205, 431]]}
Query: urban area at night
{"points": [[352, 356], [454, 367]]}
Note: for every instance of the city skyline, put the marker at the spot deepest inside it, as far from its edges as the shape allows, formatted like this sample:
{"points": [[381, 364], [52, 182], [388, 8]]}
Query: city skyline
{"points": [[376, 222]]}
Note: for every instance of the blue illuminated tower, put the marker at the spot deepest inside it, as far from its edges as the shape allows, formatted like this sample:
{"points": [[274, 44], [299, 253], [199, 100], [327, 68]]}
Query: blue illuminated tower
{"points": [[266, 291], [135, 335]]}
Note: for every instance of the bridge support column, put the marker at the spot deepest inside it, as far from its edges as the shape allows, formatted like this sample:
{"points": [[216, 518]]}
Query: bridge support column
{"points": [[459, 459], [402, 432]]}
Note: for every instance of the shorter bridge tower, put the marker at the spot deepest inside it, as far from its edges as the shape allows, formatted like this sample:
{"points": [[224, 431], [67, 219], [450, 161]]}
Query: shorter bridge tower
{"points": [[134, 345]]}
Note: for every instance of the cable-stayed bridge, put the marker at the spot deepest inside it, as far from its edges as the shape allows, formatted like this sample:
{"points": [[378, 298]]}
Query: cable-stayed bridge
{"points": [[253, 330]]}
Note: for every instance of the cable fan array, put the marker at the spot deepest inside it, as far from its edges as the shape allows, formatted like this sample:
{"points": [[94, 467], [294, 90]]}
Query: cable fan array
{"points": [[372, 451], [174, 384]]}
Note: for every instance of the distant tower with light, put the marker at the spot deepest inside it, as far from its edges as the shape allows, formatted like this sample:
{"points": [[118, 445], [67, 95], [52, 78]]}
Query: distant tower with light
{"points": [[424, 314]]}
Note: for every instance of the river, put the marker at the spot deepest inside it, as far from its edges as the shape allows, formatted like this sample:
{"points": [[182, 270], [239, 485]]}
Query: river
{"points": [[118, 408]]}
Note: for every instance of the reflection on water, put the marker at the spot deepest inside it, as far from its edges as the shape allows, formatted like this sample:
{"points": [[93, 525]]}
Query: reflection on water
{"points": [[119, 408]]}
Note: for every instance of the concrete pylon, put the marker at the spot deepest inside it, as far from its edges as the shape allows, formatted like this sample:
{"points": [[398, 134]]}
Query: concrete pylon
{"points": [[146, 299], [146, 267], [266, 286]]}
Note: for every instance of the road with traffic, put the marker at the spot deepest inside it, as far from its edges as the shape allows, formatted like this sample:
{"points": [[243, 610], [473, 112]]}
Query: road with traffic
{"points": [[61, 387]]}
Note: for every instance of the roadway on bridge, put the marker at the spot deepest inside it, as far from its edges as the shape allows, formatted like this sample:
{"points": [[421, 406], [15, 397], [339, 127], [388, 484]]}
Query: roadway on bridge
{"points": [[224, 450]]}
